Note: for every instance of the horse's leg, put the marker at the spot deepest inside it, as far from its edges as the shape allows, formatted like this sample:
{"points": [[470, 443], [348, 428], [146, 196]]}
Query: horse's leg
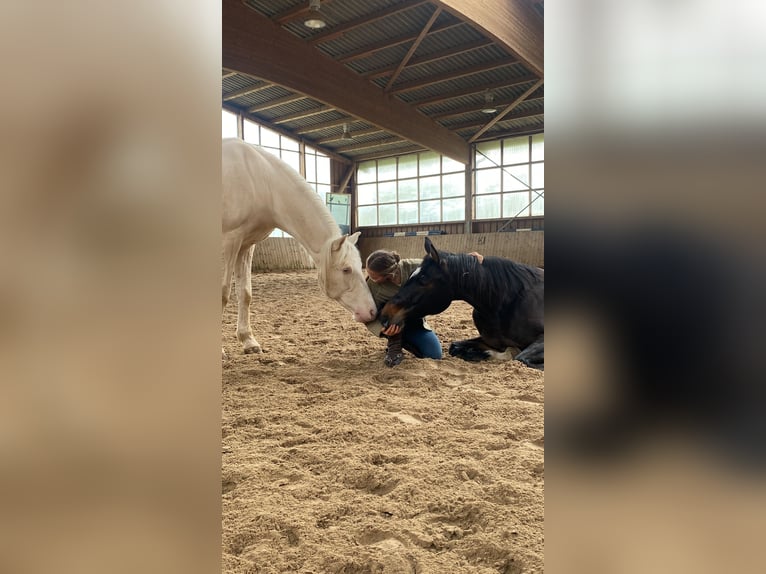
{"points": [[474, 350], [230, 250], [244, 296], [534, 355]]}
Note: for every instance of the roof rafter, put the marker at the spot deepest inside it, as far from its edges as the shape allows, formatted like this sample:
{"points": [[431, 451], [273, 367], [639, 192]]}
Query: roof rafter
{"points": [[514, 24], [475, 90], [429, 58], [391, 42], [248, 90], [364, 20], [415, 46], [453, 75], [254, 45], [506, 111]]}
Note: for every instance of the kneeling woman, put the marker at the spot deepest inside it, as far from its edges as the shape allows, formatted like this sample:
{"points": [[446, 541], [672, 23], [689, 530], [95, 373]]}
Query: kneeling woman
{"points": [[386, 273]]}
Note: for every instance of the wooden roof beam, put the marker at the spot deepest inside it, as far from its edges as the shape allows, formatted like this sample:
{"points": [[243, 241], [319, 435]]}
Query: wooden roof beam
{"points": [[415, 46], [506, 111], [338, 31], [280, 130], [478, 123], [427, 59], [324, 125], [391, 42], [453, 75], [477, 107], [304, 114], [254, 45], [356, 133], [368, 145], [295, 13], [475, 90], [245, 91], [276, 103], [513, 24]]}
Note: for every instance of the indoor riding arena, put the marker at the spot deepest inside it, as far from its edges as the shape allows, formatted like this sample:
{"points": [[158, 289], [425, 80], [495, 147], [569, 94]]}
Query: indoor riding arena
{"points": [[410, 120]]}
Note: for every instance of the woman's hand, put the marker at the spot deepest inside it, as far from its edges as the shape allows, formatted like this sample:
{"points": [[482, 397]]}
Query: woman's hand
{"points": [[478, 256], [392, 330]]}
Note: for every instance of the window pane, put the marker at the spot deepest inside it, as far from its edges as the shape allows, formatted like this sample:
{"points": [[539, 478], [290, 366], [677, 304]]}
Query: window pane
{"points": [[367, 194], [387, 214], [429, 163], [269, 138], [387, 192], [252, 133], [538, 175], [429, 211], [488, 207], [272, 150], [450, 165], [516, 204], [488, 181], [368, 216], [453, 209], [538, 206], [408, 213], [492, 152], [453, 185], [323, 189], [293, 159], [311, 167], [228, 124], [408, 166], [323, 170], [516, 150], [538, 147], [289, 143], [429, 187], [516, 178], [366, 172], [387, 169], [408, 190]]}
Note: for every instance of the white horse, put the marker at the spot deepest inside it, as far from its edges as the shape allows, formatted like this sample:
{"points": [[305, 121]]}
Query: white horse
{"points": [[261, 193]]}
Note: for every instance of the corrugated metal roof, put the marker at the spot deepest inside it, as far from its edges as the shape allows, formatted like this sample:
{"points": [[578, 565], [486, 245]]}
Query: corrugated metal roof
{"points": [[369, 48]]}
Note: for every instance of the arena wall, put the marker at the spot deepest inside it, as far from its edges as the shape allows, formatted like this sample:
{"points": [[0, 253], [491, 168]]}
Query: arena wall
{"points": [[280, 254]]}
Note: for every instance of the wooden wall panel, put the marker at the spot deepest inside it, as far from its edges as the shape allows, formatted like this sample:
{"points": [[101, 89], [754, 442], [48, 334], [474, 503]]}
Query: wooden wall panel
{"points": [[281, 254], [522, 246]]}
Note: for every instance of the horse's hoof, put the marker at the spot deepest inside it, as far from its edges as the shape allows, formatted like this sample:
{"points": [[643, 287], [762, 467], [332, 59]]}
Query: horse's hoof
{"points": [[253, 350], [467, 353], [393, 359]]}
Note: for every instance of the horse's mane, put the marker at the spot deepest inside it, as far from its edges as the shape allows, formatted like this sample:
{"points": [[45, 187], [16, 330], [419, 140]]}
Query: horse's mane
{"points": [[492, 281]]}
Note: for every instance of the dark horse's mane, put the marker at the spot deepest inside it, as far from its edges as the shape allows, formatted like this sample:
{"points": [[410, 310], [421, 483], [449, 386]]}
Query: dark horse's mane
{"points": [[492, 281]]}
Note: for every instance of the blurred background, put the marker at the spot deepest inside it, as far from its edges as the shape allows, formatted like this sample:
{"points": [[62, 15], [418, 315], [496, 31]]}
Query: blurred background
{"points": [[656, 130]]}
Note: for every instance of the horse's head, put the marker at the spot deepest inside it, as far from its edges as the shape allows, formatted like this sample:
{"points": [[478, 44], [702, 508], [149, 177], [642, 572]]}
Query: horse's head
{"points": [[426, 292], [341, 278]]}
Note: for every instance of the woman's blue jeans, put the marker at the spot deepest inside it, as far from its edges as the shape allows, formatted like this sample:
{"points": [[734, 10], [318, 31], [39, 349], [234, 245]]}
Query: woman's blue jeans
{"points": [[422, 340]]}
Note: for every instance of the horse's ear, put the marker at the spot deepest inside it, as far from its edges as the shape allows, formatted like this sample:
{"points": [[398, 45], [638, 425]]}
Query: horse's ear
{"points": [[354, 237], [431, 250], [338, 242]]}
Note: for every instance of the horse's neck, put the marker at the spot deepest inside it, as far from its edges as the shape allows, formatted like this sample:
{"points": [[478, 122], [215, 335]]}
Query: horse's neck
{"points": [[469, 289], [299, 212]]}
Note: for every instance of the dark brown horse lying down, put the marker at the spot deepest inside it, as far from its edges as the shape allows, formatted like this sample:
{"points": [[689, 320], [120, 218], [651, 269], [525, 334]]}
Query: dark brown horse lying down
{"points": [[507, 300]]}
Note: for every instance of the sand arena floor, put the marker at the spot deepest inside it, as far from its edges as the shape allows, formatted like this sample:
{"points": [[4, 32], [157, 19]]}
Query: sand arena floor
{"points": [[333, 463]]}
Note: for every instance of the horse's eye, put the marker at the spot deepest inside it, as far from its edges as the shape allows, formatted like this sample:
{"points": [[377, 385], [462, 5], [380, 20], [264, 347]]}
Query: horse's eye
{"points": [[347, 270]]}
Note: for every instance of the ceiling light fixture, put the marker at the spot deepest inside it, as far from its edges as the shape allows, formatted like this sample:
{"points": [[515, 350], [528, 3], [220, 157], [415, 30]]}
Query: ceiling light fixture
{"points": [[488, 107], [314, 20], [346, 135]]}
